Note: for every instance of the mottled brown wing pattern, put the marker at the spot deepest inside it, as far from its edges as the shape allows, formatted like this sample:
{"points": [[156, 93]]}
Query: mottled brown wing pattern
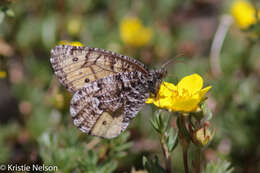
{"points": [[105, 107], [75, 66], [109, 88]]}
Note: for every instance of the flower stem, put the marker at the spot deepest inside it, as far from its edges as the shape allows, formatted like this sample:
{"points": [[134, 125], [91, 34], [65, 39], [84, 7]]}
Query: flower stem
{"points": [[197, 161], [184, 143], [217, 44], [246, 55], [166, 154], [185, 159]]}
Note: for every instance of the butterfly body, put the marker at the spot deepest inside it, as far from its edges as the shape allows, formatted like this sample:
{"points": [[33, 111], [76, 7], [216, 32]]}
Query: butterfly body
{"points": [[109, 89]]}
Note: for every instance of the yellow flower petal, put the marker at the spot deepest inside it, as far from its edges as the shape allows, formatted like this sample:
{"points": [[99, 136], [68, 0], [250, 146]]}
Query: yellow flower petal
{"points": [[192, 83], [204, 91], [2, 74], [160, 101], [188, 105], [243, 12], [165, 92], [75, 43], [149, 100], [133, 33], [166, 89]]}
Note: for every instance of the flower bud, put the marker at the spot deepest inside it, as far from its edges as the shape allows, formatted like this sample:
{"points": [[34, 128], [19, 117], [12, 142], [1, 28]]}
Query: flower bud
{"points": [[202, 136]]}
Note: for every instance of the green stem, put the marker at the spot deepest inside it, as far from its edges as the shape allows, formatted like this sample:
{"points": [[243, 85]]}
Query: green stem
{"points": [[166, 154], [254, 2], [185, 144], [185, 159], [245, 57], [197, 161]]}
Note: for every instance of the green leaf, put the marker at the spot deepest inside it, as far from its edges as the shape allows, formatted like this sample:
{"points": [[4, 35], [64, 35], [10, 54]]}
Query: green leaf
{"points": [[219, 167], [2, 16], [68, 150], [7, 131], [155, 126], [108, 167], [206, 111], [123, 146], [172, 140], [153, 166], [9, 12], [160, 122], [156, 123]]}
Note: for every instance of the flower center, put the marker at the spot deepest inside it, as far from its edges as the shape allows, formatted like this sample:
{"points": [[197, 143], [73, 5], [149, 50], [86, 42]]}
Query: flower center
{"points": [[181, 93]]}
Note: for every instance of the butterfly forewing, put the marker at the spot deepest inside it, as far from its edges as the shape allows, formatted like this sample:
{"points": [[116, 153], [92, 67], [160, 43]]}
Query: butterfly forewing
{"points": [[75, 66]]}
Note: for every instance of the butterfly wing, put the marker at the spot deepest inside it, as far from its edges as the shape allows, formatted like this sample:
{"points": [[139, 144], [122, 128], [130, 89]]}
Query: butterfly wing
{"points": [[105, 107], [75, 65]]}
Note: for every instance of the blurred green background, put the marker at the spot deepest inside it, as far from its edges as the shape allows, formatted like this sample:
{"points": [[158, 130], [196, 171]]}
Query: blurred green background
{"points": [[35, 125]]}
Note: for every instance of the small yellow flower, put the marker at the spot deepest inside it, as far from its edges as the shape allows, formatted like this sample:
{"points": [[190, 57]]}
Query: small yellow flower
{"points": [[75, 43], [244, 13], [183, 97], [133, 33], [2, 74]]}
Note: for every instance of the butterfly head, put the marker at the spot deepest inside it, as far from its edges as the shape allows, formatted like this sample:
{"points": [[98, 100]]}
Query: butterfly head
{"points": [[156, 80], [162, 73]]}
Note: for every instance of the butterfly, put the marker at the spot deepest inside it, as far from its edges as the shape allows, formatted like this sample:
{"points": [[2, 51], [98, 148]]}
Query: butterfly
{"points": [[109, 89]]}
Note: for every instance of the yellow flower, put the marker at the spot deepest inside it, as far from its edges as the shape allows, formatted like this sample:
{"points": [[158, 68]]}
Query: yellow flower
{"points": [[183, 97], [244, 13], [75, 43], [133, 33], [2, 74]]}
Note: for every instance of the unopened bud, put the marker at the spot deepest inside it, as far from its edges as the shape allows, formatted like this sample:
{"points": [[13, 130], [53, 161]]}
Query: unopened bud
{"points": [[202, 136]]}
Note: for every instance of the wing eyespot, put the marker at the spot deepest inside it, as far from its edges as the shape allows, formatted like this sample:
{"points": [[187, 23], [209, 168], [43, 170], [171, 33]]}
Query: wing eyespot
{"points": [[87, 80], [75, 59]]}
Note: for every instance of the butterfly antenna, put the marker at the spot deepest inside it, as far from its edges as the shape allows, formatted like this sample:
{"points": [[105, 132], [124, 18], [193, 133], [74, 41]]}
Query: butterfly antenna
{"points": [[173, 60], [167, 63]]}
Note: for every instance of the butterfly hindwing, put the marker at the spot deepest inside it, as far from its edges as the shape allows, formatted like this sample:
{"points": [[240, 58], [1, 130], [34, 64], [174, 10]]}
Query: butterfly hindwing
{"points": [[75, 65], [105, 107]]}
